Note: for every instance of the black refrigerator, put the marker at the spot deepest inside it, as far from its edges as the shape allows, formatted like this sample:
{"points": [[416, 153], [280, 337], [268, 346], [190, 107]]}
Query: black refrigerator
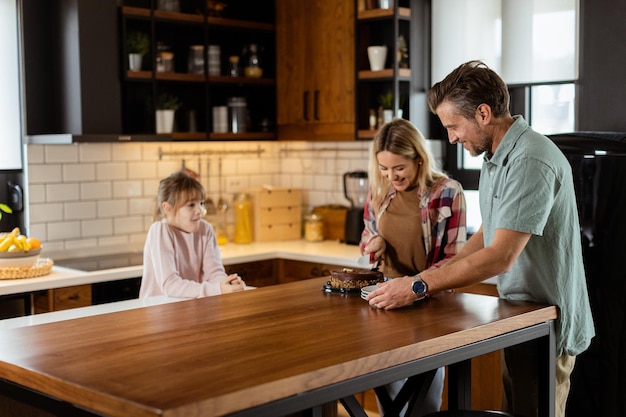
{"points": [[598, 161], [12, 194]]}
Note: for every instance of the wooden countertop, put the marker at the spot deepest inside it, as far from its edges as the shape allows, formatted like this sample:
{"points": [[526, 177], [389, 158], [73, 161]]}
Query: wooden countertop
{"points": [[219, 355]]}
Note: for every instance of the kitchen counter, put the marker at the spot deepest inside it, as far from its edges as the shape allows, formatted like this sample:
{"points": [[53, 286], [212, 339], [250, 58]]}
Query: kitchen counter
{"points": [[328, 252]]}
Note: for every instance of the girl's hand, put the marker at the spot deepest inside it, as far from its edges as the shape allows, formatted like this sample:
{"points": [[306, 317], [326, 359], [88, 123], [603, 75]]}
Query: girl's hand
{"points": [[233, 283], [376, 246]]}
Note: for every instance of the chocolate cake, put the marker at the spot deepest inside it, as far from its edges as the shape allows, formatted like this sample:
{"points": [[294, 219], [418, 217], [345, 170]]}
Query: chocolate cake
{"points": [[349, 279]]}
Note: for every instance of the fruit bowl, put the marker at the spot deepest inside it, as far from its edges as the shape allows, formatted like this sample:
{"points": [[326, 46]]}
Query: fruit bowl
{"points": [[19, 259]]}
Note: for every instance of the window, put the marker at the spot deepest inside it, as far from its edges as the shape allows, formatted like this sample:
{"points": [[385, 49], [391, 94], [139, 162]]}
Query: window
{"points": [[10, 121], [532, 44]]}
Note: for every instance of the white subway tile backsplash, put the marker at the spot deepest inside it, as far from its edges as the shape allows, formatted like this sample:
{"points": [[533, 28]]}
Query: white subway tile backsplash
{"points": [[114, 241], [95, 152], [80, 210], [62, 192], [41, 213], [36, 193], [112, 171], [123, 189], [127, 152], [79, 172], [105, 194], [81, 244], [97, 228], [63, 230], [34, 154], [45, 174], [112, 208], [141, 170], [96, 190], [61, 154], [141, 206], [125, 225]]}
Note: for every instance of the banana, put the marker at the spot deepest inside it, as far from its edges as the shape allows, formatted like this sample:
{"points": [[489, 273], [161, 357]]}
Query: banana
{"points": [[8, 240]]}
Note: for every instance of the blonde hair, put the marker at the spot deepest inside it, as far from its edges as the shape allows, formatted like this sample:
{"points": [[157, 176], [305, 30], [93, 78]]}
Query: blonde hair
{"points": [[401, 137], [177, 190]]}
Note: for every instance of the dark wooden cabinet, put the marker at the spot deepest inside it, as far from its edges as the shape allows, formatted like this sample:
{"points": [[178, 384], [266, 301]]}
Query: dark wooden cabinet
{"points": [[79, 87], [257, 273], [62, 298], [289, 271], [315, 69], [231, 31]]}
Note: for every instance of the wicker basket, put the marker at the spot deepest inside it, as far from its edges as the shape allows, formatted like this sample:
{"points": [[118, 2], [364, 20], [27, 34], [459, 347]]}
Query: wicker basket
{"points": [[43, 266]]}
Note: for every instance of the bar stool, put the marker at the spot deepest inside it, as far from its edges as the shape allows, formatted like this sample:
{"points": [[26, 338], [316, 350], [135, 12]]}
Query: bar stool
{"points": [[469, 413]]}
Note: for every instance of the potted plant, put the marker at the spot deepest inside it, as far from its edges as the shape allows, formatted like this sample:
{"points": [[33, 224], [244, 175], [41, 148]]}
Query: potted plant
{"points": [[386, 105], [138, 45], [167, 104], [403, 52]]}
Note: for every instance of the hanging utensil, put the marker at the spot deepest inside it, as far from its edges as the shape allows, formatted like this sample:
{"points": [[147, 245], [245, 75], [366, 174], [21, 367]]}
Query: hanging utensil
{"points": [[188, 171], [222, 204], [209, 205]]}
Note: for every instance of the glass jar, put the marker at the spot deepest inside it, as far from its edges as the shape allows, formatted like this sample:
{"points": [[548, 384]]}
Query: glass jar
{"points": [[234, 65], [253, 65], [313, 228], [243, 218]]}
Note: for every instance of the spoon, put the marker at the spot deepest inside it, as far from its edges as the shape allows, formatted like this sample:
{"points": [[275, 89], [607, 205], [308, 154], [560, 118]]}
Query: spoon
{"points": [[222, 204], [209, 205]]}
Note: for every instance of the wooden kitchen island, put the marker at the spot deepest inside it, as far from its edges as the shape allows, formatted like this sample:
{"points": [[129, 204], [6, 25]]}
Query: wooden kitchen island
{"points": [[270, 351]]}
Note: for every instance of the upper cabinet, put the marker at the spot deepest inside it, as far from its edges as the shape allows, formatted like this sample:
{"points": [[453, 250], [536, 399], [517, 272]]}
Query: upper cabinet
{"points": [[315, 69], [212, 62], [81, 84], [392, 63]]}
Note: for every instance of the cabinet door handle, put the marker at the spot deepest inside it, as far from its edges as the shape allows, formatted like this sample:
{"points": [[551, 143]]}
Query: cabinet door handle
{"points": [[315, 102], [305, 107]]}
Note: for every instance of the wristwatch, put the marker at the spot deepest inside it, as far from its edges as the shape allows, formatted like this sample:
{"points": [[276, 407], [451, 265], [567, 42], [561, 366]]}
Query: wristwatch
{"points": [[419, 287]]}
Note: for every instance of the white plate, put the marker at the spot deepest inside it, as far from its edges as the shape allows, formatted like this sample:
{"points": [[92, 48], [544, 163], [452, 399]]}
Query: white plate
{"points": [[368, 289]]}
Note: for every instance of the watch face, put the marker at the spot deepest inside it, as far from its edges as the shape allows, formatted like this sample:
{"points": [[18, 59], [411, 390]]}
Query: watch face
{"points": [[419, 287]]}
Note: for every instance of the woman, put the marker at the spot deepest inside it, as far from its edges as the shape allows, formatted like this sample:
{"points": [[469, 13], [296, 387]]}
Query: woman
{"points": [[414, 216]]}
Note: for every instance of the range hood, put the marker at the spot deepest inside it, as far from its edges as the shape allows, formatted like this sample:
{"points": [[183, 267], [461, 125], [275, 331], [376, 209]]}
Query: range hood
{"points": [[71, 71]]}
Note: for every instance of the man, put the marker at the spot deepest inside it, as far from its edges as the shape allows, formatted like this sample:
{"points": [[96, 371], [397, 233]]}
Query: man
{"points": [[530, 236]]}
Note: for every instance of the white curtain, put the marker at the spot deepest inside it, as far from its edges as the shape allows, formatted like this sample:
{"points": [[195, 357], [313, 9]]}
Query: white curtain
{"points": [[526, 41], [10, 122]]}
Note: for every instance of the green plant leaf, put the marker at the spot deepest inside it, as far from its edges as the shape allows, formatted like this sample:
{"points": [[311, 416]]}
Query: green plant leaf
{"points": [[5, 208]]}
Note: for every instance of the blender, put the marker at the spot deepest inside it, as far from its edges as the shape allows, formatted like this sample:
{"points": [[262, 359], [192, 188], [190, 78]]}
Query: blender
{"points": [[355, 189]]}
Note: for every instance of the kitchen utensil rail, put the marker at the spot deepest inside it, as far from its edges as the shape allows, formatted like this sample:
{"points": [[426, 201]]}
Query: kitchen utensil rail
{"points": [[163, 153], [287, 150]]}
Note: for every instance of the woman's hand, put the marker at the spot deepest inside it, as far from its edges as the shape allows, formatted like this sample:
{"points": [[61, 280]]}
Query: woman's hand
{"points": [[376, 246], [233, 283]]}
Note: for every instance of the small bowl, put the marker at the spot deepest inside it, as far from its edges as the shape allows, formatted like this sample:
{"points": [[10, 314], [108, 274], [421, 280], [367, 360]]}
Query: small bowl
{"points": [[19, 259]]}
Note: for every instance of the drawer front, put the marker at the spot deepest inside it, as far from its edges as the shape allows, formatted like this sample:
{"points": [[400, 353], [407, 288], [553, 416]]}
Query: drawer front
{"points": [[72, 297], [278, 215], [275, 232], [282, 197]]}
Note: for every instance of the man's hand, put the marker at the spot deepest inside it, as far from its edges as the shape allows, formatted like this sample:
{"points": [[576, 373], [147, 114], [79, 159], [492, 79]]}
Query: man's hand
{"points": [[395, 293]]}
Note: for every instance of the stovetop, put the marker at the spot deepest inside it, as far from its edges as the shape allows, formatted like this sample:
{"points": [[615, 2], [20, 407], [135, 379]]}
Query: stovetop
{"points": [[101, 262]]}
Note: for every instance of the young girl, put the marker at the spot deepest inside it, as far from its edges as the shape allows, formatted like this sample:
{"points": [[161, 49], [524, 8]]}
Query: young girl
{"points": [[181, 257]]}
